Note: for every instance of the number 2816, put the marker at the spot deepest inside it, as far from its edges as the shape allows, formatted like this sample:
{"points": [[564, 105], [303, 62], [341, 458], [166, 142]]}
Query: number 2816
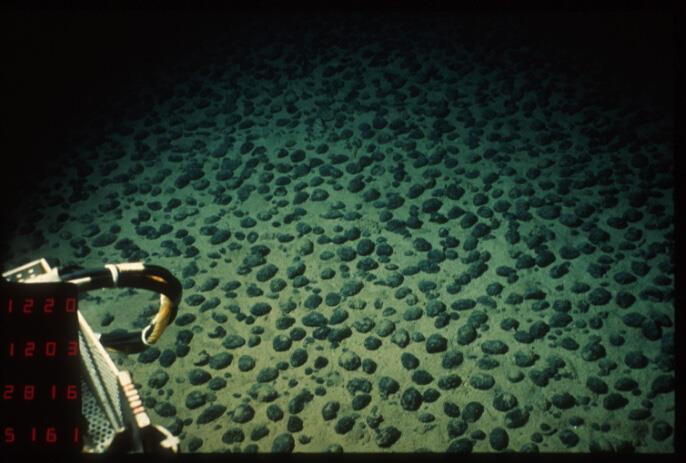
{"points": [[33, 392]]}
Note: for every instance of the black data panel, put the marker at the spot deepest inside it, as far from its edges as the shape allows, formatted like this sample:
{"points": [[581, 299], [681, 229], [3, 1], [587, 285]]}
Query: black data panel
{"points": [[40, 407]]}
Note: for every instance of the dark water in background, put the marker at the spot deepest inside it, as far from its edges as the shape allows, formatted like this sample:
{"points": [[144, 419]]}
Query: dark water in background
{"points": [[501, 184]]}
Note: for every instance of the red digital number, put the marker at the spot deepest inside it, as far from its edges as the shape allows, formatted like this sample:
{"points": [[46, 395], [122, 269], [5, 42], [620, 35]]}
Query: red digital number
{"points": [[51, 435], [70, 305], [72, 392], [29, 349], [73, 349], [28, 306], [29, 391], [7, 393], [48, 305], [50, 348]]}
